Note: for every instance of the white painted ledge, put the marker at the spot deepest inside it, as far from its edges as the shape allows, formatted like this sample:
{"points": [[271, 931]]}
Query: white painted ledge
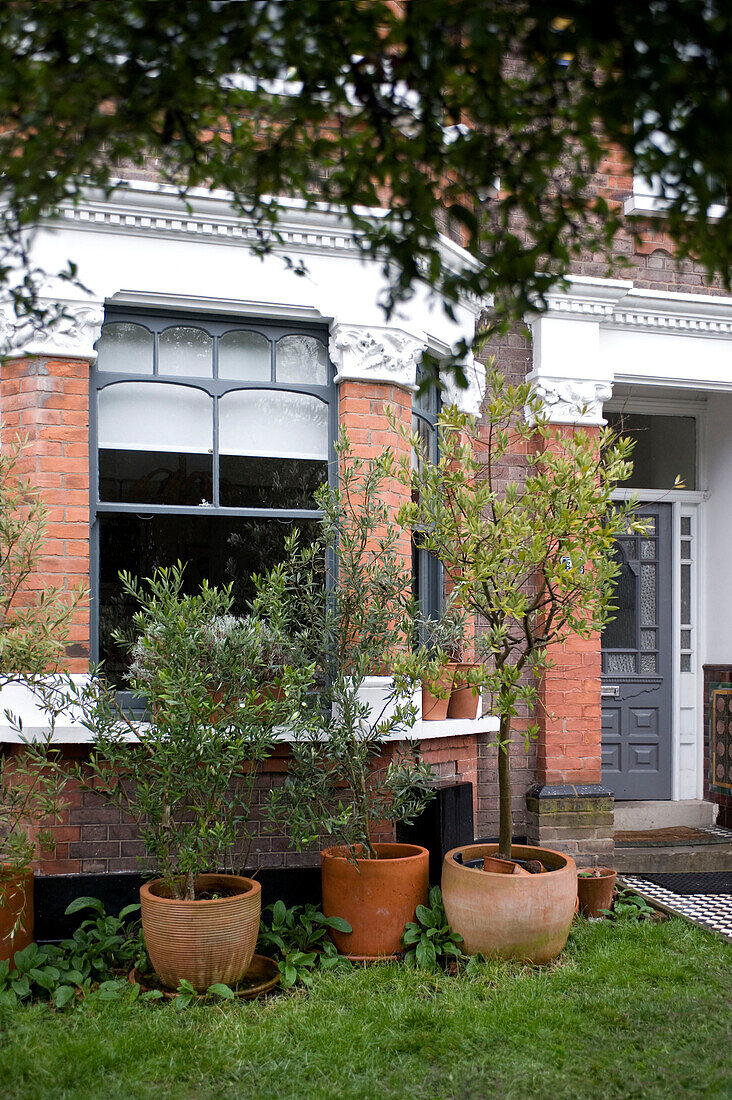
{"points": [[21, 702]]}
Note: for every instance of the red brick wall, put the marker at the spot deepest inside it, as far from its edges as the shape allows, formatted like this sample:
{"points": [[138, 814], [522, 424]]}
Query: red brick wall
{"points": [[46, 401]]}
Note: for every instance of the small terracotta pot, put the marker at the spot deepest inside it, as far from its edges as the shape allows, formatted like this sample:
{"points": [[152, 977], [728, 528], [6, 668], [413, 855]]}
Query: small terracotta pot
{"points": [[202, 941], [434, 708], [596, 892], [464, 699], [16, 911], [510, 916], [503, 866], [377, 898]]}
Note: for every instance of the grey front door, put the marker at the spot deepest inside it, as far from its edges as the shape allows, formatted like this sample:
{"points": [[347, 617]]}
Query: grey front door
{"points": [[636, 665]]}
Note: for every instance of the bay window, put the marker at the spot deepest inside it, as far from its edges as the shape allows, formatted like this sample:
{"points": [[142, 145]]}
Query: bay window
{"points": [[209, 438]]}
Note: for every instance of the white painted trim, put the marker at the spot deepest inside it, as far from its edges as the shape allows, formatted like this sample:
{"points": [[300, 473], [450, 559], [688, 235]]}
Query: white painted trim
{"points": [[20, 701], [662, 496], [653, 206]]}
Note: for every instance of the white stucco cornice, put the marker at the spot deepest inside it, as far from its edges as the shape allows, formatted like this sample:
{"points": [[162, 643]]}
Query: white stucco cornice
{"points": [[71, 335], [152, 209], [367, 353], [693, 314]]}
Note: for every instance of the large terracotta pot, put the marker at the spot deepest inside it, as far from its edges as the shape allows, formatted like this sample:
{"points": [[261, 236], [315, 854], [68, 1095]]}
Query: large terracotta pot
{"points": [[596, 892], [510, 916], [377, 899], [202, 941], [16, 911]]}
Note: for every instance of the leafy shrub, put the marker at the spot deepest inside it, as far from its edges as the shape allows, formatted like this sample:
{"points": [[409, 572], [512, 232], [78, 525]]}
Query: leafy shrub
{"points": [[97, 957], [298, 939], [627, 906], [429, 941]]}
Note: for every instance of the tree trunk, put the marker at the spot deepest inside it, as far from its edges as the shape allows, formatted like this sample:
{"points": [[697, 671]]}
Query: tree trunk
{"points": [[190, 887], [505, 822]]}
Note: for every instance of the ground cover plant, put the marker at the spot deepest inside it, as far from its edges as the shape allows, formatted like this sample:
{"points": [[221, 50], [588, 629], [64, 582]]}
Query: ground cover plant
{"points": [[631, 1009]]}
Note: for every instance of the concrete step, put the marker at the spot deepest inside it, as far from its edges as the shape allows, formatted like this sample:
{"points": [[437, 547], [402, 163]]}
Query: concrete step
{"points": [[709, 849], [694, 812]]}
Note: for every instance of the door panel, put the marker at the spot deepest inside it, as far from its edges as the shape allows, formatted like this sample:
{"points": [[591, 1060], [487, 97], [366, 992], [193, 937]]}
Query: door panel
{"points": [[636, 665]]}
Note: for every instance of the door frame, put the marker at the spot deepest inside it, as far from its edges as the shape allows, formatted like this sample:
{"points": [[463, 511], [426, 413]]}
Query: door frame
{"points": [[687, 734]]}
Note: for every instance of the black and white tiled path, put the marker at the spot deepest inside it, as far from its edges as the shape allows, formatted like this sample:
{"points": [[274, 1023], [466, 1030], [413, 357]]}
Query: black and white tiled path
{"points": [[711, 911]]}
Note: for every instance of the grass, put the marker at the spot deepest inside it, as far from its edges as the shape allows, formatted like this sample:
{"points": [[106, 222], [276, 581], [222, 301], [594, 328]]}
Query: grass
{"points": [[631, 1010]]}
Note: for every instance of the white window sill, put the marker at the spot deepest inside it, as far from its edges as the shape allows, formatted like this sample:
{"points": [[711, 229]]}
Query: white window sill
{"points": [[653, 206], [20, 701]]}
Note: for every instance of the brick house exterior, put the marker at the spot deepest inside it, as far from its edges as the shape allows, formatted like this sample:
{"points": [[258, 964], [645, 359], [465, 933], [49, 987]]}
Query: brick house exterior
{"points": [[652, 341]]}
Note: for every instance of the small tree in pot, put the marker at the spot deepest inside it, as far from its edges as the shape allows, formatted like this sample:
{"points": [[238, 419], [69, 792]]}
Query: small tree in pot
{"points": [[186, 772], [533, 561], [362, 627], [34, 629]]}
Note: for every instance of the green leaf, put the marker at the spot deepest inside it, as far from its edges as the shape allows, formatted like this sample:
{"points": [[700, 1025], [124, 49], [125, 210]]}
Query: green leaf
{"points": [[63, 995], [338, 923], [128, 910], [21, 986], [79, 904], [151, 995], [425, 954], [279, 912], [221, 990], [425, 916]]}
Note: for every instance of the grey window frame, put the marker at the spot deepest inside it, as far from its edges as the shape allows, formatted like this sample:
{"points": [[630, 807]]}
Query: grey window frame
{"points": [[214, 326], [426, 406]]}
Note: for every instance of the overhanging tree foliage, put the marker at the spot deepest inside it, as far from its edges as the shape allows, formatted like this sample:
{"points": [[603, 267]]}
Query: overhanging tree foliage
{"points": [[409, 106]]}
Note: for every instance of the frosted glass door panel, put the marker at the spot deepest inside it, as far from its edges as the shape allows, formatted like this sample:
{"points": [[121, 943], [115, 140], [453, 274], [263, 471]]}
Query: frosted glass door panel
{"points": [[125, 348], [155, 416], [273, 424]]}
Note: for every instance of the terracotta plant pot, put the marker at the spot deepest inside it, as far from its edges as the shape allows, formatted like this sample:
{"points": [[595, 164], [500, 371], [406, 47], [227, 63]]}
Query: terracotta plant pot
{"points": [[510, 916], [377, 899], [16, 911], [595, 892], [434, 708], [464, 700], [503, 866], [202, 941]]}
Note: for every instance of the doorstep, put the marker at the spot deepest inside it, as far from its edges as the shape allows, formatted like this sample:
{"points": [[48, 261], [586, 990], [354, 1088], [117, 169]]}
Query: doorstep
{"points": [[674, 850]]}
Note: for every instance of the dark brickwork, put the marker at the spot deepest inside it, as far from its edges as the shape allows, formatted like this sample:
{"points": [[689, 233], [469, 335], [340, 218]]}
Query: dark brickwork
{"points": [[576, 820]]}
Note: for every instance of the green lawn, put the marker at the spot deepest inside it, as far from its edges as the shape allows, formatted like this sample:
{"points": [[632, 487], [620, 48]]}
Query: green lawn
{"points": [[633, 1010]]}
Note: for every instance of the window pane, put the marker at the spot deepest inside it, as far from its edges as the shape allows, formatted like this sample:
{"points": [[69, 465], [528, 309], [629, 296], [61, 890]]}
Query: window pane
{"points": [[125, 348], [246, 482], [686, 525], [185, 351], [273, 424], [155, 416], [221, 549], [621, 663], [155, 477], [665, 448], [244, 355], [302, 359], [620, 633], [686, 593]]}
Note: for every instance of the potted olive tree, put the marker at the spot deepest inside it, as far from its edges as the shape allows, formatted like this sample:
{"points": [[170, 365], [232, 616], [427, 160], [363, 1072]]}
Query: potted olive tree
{"points": [[34, 629], [353, 768], [533, 561], [186, 772]]}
